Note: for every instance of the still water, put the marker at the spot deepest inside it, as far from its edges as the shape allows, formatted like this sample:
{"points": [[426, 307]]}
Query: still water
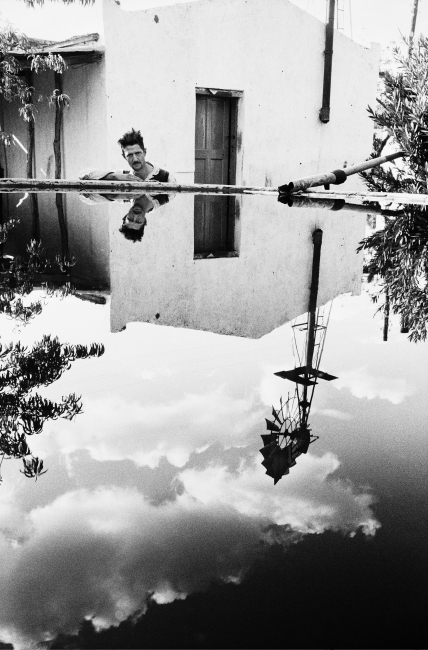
{"points": [[156, 524]]}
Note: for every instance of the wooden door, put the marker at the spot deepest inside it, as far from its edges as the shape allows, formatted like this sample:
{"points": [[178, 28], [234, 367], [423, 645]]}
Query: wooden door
{"points": [[214, 141]]}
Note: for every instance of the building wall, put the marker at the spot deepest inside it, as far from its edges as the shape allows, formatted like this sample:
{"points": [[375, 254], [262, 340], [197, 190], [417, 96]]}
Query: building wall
{"points": [[83, 143], [272, 51], [157, 280]]}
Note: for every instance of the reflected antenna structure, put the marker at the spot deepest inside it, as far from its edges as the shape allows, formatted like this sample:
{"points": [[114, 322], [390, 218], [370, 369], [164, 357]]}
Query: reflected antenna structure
{"points": [[289, 434]]}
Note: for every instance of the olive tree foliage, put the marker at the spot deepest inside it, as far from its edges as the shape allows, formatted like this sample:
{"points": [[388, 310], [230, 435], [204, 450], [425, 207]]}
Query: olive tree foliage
{"points": [[18, 277], [399, 252], [13, 85], [24, 412]]}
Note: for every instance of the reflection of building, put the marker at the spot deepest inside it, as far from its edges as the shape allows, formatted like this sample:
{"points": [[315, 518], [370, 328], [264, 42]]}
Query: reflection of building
{"points": [[160, 280], [223, 91]]}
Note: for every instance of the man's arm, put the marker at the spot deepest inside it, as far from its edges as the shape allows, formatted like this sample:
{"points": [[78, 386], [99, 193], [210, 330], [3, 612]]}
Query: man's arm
{"points": [[122, 176], [93, 174], [171, 178]]}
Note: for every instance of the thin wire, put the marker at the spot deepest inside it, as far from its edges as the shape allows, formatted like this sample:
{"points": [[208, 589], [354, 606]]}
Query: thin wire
{"points": [[295, 408], [329, 308], [295, 347]]}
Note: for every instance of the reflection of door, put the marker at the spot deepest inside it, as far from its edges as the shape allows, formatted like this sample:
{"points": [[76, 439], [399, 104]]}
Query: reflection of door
{"points": [[215, 163]]}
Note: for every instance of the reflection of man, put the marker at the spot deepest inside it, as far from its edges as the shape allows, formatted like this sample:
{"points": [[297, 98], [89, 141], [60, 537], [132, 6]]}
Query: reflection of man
{"points": [[134, 152], [135, 220]]}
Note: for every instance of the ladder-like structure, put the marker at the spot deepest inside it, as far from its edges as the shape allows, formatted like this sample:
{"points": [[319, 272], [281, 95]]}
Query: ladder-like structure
{"points": [[289, 433]]}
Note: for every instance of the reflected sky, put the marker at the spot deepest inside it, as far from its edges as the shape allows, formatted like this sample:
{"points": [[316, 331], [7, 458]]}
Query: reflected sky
{"points": [[156, 491]]}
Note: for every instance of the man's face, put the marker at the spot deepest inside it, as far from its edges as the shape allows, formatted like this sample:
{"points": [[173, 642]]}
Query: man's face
{"points": [[135, 156], [136, 217]]}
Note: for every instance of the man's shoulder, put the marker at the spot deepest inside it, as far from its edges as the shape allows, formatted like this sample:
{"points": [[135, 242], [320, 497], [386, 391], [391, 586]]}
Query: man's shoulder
{"points": [[162, 176], [159, 174]]}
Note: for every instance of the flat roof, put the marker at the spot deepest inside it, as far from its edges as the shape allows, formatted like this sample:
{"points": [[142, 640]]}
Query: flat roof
{"points": [[77, 49]]}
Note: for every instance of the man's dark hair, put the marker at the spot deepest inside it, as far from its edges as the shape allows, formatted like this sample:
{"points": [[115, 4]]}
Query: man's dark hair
{"points": [[131, 137], [132, 233]]}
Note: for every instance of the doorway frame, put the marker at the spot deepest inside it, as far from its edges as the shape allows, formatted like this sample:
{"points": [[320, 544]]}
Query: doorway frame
{"points": [[235, 162]]}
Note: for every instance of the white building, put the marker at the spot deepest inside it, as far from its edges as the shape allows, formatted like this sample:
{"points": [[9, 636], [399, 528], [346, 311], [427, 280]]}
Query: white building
{"points": [[224, 91]]}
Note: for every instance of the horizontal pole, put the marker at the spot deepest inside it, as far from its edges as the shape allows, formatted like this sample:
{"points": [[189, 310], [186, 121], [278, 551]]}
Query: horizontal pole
{"points": [[135, 187], [372, 197], [373, 162], [334, 204], [334, 177], [124, 187]]}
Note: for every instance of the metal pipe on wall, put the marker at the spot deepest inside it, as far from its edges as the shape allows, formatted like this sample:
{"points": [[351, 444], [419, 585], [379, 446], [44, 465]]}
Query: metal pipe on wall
{"points": [[324, 113]]}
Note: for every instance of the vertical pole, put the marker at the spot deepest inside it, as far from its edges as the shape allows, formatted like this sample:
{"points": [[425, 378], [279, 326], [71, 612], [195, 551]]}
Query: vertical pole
{"points": [[31, 157], [413, 24], [317, 240], [312, 308], [386, 316], [59, 108], [1, 197], [1, 214], [324, 113], [5, 198]]}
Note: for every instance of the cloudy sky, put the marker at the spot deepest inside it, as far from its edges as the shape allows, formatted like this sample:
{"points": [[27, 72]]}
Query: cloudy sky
{"points": [[366, 21], [155, 500]]}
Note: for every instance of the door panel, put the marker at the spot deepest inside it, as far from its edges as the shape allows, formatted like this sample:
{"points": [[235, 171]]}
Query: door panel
{"points": [[214, 215], [211, 224], [212, 138]]}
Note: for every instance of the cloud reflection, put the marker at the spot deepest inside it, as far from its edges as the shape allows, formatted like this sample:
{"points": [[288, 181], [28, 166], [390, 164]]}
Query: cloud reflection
{"points": [[147, 433], [362, 384], [331, 413], [310, 499], [101, 553]]}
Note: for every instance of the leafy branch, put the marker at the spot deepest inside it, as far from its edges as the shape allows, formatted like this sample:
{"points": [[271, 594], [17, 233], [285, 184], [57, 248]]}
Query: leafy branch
{"points": [[24, 413], [19, 277], [399, 252]]}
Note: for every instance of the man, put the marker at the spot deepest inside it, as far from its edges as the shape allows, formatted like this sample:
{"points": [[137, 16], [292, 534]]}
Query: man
{"points": [[134, 152]]}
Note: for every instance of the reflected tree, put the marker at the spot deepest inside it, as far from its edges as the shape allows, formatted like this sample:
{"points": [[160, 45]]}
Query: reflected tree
{"points": [[16, 85], [398, 253], [24, 412], [20, 275]]}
